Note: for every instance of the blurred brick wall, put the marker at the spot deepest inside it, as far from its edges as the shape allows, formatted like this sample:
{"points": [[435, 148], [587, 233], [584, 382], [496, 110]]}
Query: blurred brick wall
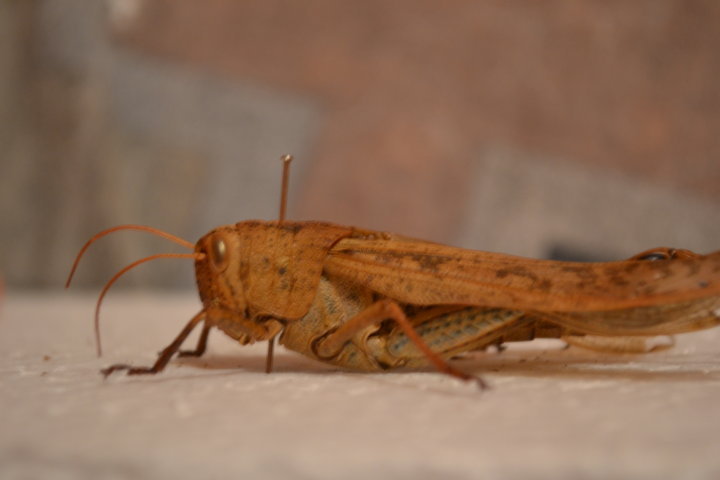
{"points": [[409, 85], [521, 126]]}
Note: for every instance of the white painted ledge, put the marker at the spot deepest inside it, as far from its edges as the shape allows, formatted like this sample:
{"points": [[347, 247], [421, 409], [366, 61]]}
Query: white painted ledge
{"points": [[551, 413]]}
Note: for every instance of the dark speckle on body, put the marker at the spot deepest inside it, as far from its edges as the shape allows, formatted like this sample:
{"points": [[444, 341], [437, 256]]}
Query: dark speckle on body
{"points": [[518, 272], [429, 262], [291, 227]]}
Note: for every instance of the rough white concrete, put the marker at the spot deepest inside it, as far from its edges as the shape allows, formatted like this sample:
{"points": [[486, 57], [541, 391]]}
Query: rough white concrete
{"points": [[551, 413]]}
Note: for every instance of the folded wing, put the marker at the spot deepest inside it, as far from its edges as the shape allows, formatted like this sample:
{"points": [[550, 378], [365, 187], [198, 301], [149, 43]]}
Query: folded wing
{"points": [[424, 273]]}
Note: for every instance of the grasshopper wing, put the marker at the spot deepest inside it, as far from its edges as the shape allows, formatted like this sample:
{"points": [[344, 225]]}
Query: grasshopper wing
{"points": [[423, 273]]}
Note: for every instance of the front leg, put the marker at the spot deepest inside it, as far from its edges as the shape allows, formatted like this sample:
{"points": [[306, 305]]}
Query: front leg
{"points": [[378, 312], [164, 356], [201, 344]]}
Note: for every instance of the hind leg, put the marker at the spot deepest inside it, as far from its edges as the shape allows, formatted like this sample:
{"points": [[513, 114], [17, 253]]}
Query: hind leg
{"points": [[629, 345]]}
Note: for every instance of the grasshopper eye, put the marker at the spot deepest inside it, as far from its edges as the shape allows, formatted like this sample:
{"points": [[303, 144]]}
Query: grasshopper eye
{"points": [[218, 253], [653, 256]]}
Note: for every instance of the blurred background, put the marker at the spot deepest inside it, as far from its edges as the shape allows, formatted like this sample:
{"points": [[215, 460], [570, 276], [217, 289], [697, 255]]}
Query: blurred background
{"points": [[585, 130]]}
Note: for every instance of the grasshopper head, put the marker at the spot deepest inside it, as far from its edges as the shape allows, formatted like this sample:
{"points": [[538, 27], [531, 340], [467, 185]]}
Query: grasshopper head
{"points": [[254, 276], [221, 271]]}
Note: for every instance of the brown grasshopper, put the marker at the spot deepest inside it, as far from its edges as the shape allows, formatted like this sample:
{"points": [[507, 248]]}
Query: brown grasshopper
{"points": [[374, 301]]}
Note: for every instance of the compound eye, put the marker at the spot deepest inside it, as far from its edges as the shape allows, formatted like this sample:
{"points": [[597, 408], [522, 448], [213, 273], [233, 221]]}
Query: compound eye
{"points": [[218, 253], [655, 256]]}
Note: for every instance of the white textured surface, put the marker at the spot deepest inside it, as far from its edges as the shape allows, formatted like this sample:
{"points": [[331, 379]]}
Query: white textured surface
{"points": [[550, 414]]}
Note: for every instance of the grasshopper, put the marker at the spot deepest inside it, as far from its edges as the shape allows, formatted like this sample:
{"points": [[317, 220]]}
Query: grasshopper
{"points": [[373, 301]]}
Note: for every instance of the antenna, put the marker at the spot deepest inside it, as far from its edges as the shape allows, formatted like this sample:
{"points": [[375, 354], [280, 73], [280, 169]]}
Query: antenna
{"points": [[110, 283], [286, 159]]}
